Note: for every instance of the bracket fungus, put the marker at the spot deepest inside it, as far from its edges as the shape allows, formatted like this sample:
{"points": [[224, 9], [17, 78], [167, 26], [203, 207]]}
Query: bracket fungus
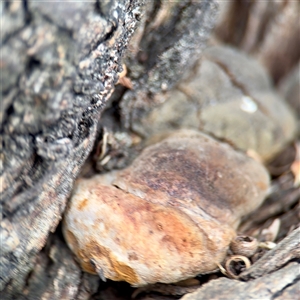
{"points": [[230, 97], [170, 215]]}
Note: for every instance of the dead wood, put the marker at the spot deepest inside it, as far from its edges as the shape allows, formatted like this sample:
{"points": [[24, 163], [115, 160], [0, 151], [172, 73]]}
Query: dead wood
{"points": [[59, 66], [287, 250], [273, 286]]}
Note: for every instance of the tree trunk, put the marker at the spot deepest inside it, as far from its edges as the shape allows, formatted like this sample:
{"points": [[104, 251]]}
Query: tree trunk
{"points": [[60, 64]]}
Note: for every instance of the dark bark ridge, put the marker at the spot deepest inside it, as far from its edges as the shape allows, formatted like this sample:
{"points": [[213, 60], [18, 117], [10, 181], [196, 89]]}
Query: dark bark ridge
{"points": [[59, 66], [171, 44]]}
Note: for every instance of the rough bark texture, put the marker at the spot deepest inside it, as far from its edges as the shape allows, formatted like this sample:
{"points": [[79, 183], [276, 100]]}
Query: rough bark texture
{"points": [[267, 283], [275, 286], [59, 66]]}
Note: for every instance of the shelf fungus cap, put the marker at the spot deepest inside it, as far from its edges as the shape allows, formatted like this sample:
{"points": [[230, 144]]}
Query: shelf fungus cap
{"points": [[230, 97], [169, 216]]}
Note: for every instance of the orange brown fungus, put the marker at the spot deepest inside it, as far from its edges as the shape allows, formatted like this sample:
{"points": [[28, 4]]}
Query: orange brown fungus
{"points": [[124, 273], [169, 216], [83, 204]]}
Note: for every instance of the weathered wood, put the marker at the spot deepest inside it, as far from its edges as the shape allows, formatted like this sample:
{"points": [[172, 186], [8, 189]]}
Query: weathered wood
{"points": [[275, 276], [267, 29], [273, 286], [287, 250], [60, 63]]}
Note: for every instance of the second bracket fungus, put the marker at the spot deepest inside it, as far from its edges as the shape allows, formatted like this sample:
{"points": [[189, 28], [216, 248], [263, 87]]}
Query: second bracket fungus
{"points": [[230, 97], [169, 216]]}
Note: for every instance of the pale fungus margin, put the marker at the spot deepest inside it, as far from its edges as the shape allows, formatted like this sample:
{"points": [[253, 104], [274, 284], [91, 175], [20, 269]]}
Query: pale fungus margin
{"points": [[170, 215]]}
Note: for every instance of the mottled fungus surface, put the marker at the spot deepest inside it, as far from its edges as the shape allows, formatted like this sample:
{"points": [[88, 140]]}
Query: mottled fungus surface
{"points": [[170, 215]]}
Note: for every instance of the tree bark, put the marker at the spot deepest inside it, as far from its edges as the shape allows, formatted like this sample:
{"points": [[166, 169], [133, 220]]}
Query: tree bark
{"points": [[60, 63]]}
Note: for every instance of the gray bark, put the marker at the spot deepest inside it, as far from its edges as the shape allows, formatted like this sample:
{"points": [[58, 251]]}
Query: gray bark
{"points": [[60, 63], [59, 66]]}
